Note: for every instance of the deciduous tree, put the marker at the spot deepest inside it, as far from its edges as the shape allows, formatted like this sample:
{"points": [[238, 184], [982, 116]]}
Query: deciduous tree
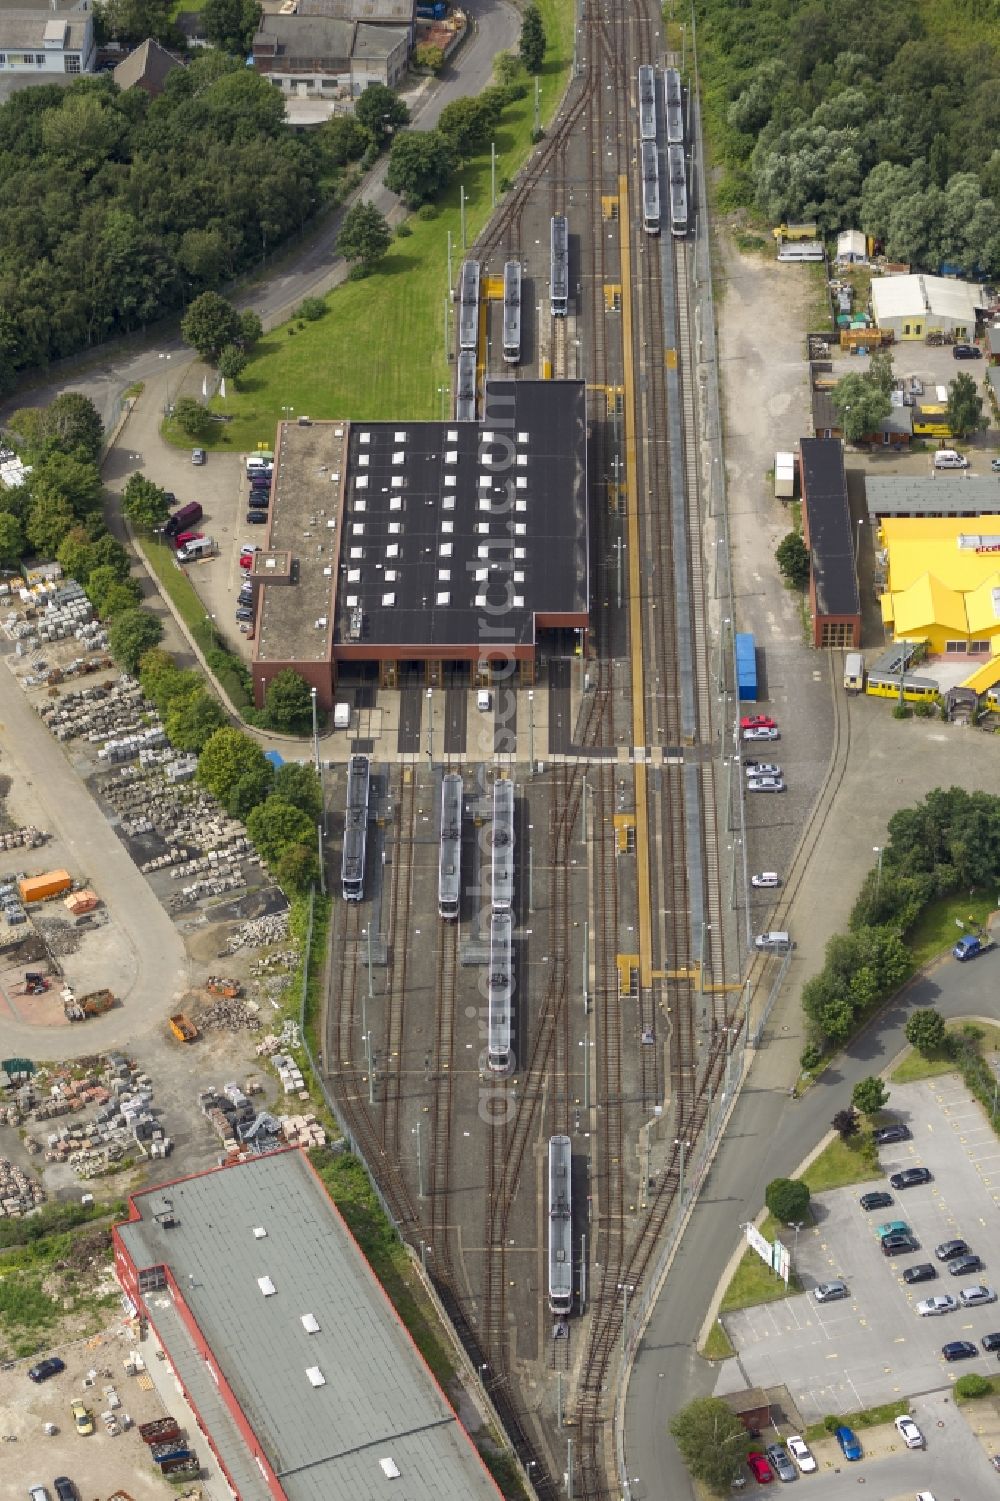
{"points": [[299, 785], [209, 324], [965, 407], [925, 1031], [846, 1124], [364, 235], [297, 869], [869, 1095], [132, 634], [11, 538], [193, 718], [712, 1441], [288, 702], [532, 44], [420, 164], [792, 557], [787, 1199], [193, 417], [231, 24], [380, 112], [275, 826], [144, 503], [228, 756]]}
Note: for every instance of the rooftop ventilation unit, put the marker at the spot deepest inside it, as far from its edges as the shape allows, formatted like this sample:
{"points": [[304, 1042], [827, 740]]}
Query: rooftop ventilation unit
{"points": [[310, 1323], [389, 1469], [266, 1286], [315, 1376], [305, 422], [259, 1233]]}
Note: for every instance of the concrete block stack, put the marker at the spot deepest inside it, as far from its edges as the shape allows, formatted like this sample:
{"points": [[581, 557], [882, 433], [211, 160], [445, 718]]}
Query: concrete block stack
{"points": [[19, 1193]]}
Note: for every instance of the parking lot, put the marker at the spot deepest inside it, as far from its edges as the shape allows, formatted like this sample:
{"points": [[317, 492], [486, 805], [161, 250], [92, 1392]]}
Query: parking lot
{"points": [[873, 1347]]}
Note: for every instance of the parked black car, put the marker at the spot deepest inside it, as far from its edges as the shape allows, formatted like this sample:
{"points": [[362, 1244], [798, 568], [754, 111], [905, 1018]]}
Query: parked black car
{"points": [[879, 1200], [949, 1249], [962, 1266], [46, 1368], [898, 1245], [924, 1271], [886, 1134], [910, 1177], [959, 1349]]}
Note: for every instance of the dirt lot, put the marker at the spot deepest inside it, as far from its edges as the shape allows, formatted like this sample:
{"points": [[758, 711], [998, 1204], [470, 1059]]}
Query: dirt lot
{"points": [[98, 1462]]}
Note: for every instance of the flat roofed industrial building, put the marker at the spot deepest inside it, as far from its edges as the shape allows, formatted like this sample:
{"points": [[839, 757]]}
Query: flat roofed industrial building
{"points": [[827, 532], [427, 542], [937, 494], [306, 1382]]}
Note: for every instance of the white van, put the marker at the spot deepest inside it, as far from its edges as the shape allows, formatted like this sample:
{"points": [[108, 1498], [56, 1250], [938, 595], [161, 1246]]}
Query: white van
{"points": [[256, 464], [341, 716], [947, 458], [198, 547], [779, 941]]}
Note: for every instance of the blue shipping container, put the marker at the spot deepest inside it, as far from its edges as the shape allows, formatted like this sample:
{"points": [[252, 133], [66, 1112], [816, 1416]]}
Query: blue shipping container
{"points": [[746, 668]]}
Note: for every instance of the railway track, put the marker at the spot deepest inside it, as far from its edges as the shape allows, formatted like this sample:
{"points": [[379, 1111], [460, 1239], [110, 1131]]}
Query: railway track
{"points": [[400, 900]]}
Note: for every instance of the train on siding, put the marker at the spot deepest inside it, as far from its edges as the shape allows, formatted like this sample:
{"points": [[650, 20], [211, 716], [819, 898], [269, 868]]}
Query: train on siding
{"points": [[650, 188], [512, 312], [501, 990], [915, 690], [352, 866], [465, 397], [450, 848], [559, 266], [647, 103], [675, 108], [677, 174], [560, 1225], [502, 885], [468, 306]]}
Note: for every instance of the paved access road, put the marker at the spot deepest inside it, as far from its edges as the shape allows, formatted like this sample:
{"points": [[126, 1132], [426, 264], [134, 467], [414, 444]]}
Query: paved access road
{"points": [[768, 1136], [160, 965], [308, 269]]}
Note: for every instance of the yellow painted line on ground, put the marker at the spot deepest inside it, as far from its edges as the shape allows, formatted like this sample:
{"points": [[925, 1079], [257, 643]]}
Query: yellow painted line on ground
{"points": [[493, 288], [670, 358], [635, 606]]}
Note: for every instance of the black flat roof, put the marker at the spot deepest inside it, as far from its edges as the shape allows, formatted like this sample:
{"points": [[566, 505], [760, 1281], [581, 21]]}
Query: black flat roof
{"points": [[459, 534], [828, 519]]}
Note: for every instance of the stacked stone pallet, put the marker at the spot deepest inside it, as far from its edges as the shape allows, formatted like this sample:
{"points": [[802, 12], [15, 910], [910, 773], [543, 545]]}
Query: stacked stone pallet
{"points": [[259, 932], [19, 1194], [231, 1013], [17, 839]]}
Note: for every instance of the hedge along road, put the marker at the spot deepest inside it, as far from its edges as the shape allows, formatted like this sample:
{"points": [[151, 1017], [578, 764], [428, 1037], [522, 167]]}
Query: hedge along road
{"points": [[768, 1136], [308, 269]]}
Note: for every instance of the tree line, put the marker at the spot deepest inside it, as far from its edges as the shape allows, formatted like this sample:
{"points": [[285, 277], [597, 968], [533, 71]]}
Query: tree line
{"points": [[854, 114], [119, 210], [949, 842]]}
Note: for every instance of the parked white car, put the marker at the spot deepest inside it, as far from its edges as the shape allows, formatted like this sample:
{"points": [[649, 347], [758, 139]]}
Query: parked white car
{"points": [[766, 878], [940, 1303], [762, 769], [801, 1453], [909, 1433]]}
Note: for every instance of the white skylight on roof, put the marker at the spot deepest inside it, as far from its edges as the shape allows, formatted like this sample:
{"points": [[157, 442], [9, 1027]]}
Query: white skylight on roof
{"points": [[483, 550], [482, 574], [259, 1233], [360, 503], [522, 437], [451, 457], [444, 575], [450, 481], [395, 503], [480, 599], [358, 528], [388, 600], [389, 1469], [364, 437], [399, 438], [520, 552], [485, 481], [444, 597], [354, 575], [357, 552], [485, 504], [361, 483], [520, 529], [518, 600], [522, 482], [351, 600], [315, 1375], [310, 1323], [519, 575], [364, 460], [266, 1286], [522, 461], [392, 551], [447, 502], [391, 575], [483, 528], [448, 526], [446, 549], [395, 527], [399, 457], [397, 482], [520, 505], [452, 435]]}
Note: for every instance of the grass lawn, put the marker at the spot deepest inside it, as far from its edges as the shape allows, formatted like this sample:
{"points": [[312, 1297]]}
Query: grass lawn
{"points": [[380, 350], [915, 1066], [867, 1417], [818, 317], [935, 930], [718, 1346], [842, 1163], [754, 1282]]}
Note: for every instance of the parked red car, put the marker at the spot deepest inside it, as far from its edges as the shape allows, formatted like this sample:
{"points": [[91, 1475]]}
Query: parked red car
{"points": [[762, 1471], [757, 722]]}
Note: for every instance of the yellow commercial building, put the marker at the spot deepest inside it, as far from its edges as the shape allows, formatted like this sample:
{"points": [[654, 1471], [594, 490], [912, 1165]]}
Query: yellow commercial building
{"points": [[943, 583]]}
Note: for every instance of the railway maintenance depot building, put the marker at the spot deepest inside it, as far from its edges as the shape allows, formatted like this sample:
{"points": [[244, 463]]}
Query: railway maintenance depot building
{"points": [[304, 1381], [403, 547]]}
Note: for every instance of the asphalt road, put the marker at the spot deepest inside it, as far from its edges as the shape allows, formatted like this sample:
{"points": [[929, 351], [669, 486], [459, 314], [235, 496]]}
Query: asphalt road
{"points": [[768, 1137], [307, 269]]}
